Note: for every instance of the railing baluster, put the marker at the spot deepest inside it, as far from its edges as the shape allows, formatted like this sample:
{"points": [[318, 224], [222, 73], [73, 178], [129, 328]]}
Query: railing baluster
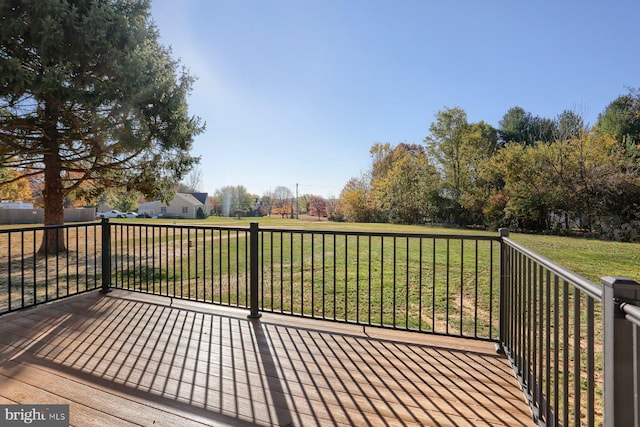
{"points": [[475, 294], [324, 281], [461, 284], [22, 256], [556, 349], [433, 288], [491, 269], [381, 280], [346, 277], [9, 274], [577, 335], [357, 319], [302, 274], [394, 282], [313, 276], [447, 288], [527, 368], [369, 279], [565, 353], [66, 253], [533, 389], [420, 261], [590, 363]]}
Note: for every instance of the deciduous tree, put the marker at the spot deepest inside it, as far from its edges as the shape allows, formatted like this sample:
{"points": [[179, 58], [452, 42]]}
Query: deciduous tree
{"points": [[621, 120], [353, 204], [16, 187], [404, 193], [231, 199], [193, 182], [317, 206], [520, 126], [459, 150], [283, 200], [528, 188]]}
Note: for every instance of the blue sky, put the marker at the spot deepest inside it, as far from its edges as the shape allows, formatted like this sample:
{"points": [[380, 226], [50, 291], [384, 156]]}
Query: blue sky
{"points": [[297, 91]]}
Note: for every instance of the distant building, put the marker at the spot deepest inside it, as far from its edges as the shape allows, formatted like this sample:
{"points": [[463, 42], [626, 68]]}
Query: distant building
{"points": [[8, 204], [183, 205], [204, 199]]}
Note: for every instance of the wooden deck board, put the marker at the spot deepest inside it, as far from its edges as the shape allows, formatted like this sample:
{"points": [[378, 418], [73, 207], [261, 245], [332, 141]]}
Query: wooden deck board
{"points": [[126, 358]]}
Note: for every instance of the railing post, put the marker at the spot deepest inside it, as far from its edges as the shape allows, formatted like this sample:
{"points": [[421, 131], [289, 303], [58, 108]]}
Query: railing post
{"points": [[618, 352], [253, 262], [106, 256], [504, 280]]}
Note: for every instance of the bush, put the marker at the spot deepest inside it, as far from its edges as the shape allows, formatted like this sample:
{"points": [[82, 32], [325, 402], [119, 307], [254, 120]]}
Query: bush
{"points": [[200, 214]]}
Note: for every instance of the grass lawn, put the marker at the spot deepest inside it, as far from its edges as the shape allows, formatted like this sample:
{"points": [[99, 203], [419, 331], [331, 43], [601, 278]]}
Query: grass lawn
{"points": [[443, 284], [590, 258]]}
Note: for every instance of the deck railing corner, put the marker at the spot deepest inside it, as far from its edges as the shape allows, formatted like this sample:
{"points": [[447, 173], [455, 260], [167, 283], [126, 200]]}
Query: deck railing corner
{"points": [[504, 280], [620, 365]]}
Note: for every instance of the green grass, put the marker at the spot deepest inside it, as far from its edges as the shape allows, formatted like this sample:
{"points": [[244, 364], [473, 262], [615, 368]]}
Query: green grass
{"points": [[590, 258], [406, 282]]}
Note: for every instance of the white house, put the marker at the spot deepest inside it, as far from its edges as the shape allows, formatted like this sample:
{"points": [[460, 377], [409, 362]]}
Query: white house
{"points": [[204, 199], [183, 205]]}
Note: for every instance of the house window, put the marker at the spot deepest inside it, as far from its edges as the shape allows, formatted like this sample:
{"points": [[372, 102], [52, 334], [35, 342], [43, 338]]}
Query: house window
{"points": [[163, 209], [185, 209]]}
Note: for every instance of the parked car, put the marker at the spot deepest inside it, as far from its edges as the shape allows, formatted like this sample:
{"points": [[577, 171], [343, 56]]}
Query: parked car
{"points": [[112, 214], [131, 215]]}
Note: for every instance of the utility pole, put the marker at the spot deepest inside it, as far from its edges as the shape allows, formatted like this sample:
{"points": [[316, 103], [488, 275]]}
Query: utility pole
{"points": [[297, 206]]}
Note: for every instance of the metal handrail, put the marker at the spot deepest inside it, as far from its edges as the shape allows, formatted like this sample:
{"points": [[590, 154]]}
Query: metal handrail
{"points": [[548, 317], [631, 313], [382, 234], [583, 284]]}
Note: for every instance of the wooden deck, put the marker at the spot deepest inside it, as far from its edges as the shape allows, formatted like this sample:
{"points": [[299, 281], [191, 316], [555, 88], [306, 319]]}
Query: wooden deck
{"points": [[132, 359]]}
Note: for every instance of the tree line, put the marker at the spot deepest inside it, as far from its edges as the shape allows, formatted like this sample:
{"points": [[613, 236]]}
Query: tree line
{"points": [[280, 202], [531, 173]]}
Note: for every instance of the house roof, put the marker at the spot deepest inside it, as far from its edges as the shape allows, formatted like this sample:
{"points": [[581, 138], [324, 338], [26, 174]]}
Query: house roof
{"points": [[202, 197], [180, 198], [187, 198]]}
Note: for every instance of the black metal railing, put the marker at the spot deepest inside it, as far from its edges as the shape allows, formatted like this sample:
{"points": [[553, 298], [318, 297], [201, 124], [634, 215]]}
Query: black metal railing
{"points": [[42, 264], [207, 264], [550, 331], [446, 284], [573, 344], [629, 366]]}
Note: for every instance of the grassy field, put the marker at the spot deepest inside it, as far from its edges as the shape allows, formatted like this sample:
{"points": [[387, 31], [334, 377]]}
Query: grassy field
{"points": [[444, 284], [590, 258]]}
